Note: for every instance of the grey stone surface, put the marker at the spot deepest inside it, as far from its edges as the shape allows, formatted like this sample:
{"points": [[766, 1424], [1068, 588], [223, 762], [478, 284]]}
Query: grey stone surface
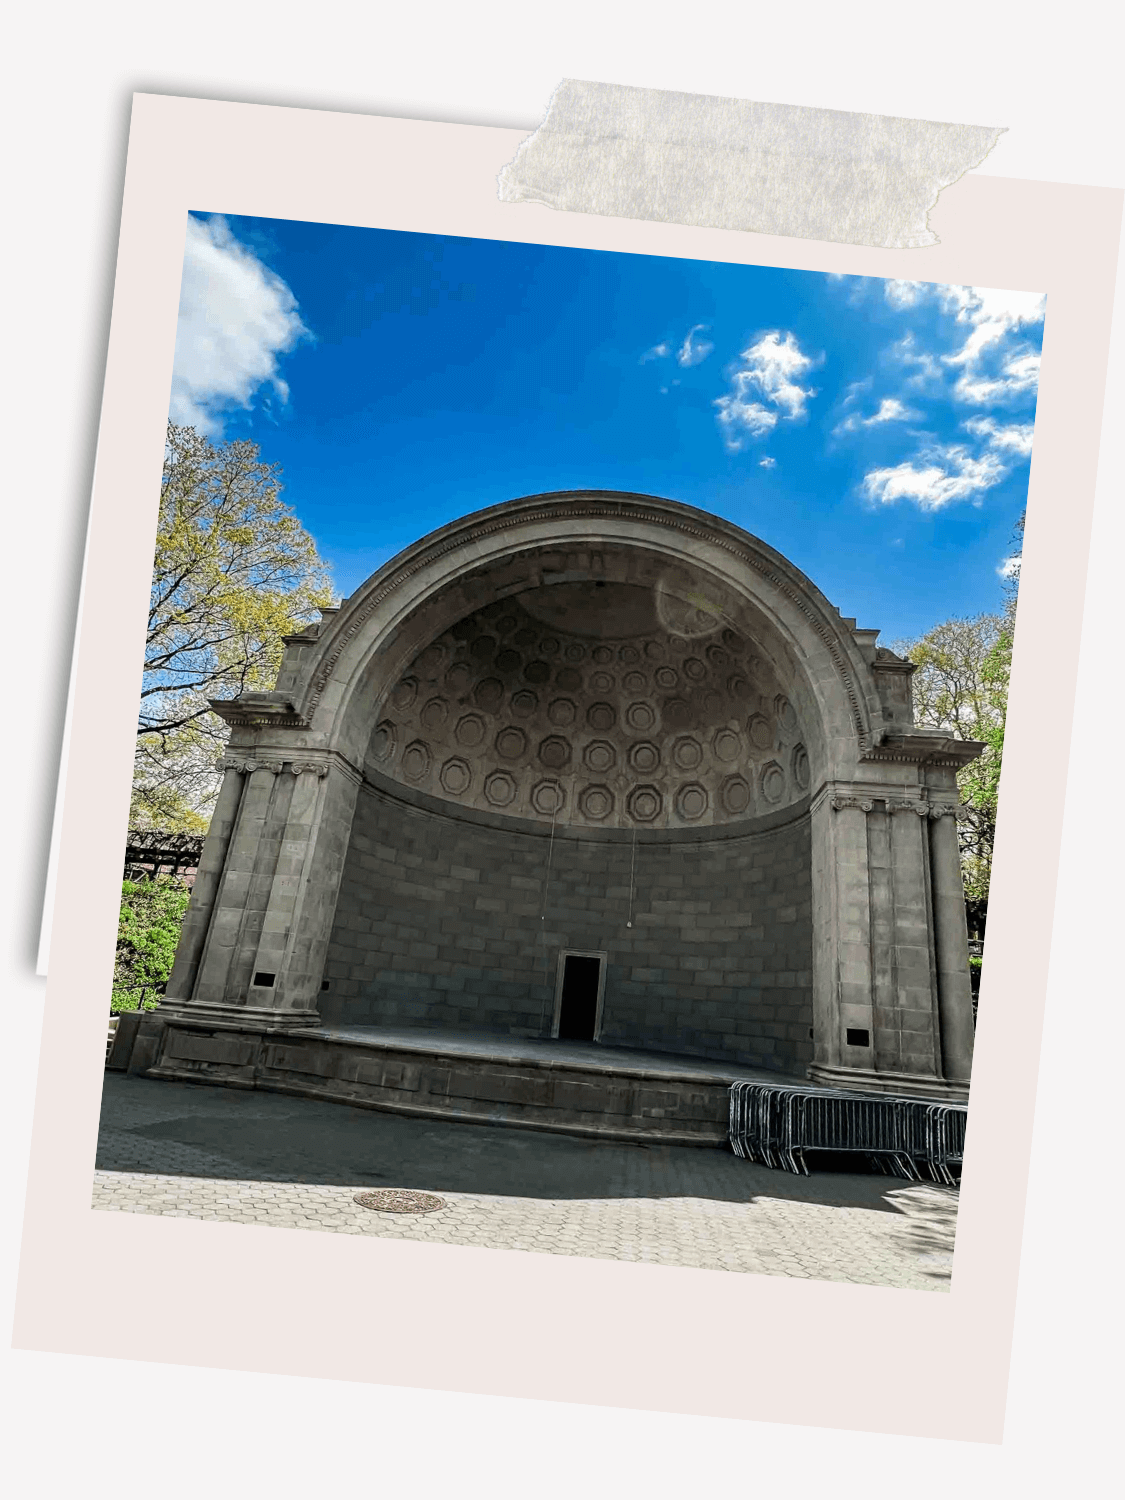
{"points": [[461, 926], [215, 1154], [120, 1049]]}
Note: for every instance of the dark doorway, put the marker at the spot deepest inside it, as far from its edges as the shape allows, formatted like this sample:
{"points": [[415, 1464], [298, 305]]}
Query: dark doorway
{"points": [[578, 1007]]}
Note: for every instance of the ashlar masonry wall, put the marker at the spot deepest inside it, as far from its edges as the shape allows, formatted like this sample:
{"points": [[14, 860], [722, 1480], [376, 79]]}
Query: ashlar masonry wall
{"points": [[452, 923]]}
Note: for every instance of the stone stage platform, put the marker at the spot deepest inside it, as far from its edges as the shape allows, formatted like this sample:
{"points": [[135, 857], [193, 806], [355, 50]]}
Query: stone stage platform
{"points": [[575, 1088]]}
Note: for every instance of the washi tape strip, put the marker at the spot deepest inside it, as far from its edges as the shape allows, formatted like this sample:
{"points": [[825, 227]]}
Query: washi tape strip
{"points": [[814, 174]]}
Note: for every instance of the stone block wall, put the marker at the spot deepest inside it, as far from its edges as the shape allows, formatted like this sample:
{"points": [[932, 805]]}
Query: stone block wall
{"points": [[444, 922]]}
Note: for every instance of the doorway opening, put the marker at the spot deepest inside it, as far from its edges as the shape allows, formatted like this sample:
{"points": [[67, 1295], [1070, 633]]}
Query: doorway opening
{"points": [[578, 996]]}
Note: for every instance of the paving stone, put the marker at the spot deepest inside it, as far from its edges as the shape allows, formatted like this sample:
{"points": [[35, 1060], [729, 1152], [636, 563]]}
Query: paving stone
{"points": [[687, 1206]]}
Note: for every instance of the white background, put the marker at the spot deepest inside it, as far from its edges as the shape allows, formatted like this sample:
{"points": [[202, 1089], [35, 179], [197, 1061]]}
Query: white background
{"points": [[1048, 71]]}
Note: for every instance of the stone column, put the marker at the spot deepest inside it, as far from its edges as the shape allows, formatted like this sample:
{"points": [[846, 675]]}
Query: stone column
{"points": [[955, 996], [878, 929], [856, 1015], [302, 894], [886, 1041], [842, 977], [919, 1050], [208, 877], [261, 960], [314, 909], [234, 911]]}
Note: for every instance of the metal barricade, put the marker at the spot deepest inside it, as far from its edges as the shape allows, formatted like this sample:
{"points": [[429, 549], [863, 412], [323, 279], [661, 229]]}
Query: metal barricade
{"points": [[775, 1124]]}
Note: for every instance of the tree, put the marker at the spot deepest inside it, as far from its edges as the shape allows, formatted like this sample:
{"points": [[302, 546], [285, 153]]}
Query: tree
{"points": [[234, 571], [961, 685]]}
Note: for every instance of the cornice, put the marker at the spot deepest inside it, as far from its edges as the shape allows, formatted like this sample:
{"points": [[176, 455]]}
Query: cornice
{"points": [[923, 747], [259, 710]]}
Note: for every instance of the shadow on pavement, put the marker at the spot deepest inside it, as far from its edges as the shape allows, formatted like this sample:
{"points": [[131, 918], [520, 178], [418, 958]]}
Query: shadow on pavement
{"points": [[199, 1130]]}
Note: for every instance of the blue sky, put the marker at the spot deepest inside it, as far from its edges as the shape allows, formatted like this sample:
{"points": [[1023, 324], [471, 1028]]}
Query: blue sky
{"points": [[877, 433]]}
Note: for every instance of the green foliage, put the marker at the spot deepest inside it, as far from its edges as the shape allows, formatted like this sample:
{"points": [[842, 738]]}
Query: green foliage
{"points": [[962, 685], [233, 572], [148, 929]]}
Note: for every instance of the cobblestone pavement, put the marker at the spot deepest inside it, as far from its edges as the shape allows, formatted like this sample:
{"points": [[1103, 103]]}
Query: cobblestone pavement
{"points": [[211, 1153]]}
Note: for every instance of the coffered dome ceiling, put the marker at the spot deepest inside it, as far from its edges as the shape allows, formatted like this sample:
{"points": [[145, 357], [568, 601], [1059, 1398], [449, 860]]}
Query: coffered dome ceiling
{"points": [[603, 704]]}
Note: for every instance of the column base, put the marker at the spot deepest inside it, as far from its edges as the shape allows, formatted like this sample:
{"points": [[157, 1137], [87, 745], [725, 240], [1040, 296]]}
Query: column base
{"points": [[906, 1085], [223, 1013]]}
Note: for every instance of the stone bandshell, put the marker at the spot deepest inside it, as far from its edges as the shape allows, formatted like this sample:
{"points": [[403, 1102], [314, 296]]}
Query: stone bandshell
{"points": [[621, 576]]}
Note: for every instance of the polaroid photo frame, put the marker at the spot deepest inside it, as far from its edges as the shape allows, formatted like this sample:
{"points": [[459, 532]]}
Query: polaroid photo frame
{"points": [[510, 1322]]}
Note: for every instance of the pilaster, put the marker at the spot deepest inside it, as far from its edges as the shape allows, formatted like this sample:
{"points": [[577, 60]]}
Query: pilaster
{"points": [[208, 878], [280, 845], [955, 995], [891, 998]]}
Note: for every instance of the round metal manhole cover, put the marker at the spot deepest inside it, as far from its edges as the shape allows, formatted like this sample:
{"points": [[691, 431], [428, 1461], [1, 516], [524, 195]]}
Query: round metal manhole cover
{"points": [[400, 1201]]}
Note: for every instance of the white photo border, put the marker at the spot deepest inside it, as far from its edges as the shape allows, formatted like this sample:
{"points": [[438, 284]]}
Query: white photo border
{"points": [[510, 1322]]}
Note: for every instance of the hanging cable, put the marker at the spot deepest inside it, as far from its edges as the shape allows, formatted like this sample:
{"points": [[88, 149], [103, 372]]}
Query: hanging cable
{"points": [[632, 877], [547, 879]]}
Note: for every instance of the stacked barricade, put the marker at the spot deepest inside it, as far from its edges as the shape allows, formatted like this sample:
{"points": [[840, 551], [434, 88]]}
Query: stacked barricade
{"points": [[775, 1124]]}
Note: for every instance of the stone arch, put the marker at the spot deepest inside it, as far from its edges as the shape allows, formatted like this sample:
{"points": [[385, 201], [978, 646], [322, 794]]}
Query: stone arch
{"points": [[334, 681], [808, 820]]}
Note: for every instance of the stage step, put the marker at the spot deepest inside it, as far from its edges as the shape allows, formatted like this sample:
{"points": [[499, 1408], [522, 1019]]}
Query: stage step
{"points": [[576, 1089]]}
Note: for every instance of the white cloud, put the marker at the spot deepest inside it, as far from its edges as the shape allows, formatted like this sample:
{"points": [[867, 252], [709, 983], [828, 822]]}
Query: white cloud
{"points": [[1024, 368], [658, 351], [938, 475], [891, 409], [943, 476], [1014, 438], [927, 367], [993, 368], [991, 312], [743, 419], [694, 351], [1010, 567], [772, 370], [993, 316], [905, 293], [1018, 376], [236, 317], [767, 463]]}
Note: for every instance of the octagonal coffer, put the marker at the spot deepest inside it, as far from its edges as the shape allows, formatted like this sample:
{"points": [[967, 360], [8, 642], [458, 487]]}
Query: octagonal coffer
{"points": [[586, 704]]}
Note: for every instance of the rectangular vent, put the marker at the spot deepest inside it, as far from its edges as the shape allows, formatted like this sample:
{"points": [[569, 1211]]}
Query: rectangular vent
{"points": [[261, 977], [858, 1038], [324, 984]]}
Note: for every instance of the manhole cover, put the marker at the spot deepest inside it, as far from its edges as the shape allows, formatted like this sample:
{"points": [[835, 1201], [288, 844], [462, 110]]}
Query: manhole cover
{"points": [[400, 1201]]}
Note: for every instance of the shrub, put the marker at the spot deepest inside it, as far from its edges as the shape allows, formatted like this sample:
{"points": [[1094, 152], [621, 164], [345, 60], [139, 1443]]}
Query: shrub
{"points": [[148, 929]]}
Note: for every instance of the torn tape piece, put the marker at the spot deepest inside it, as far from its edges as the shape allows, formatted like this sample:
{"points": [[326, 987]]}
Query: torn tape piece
{"points": [[813, 174]]}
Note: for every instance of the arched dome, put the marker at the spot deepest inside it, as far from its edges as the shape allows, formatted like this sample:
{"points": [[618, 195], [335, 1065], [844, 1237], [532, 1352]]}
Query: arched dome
{"points": [[591, 570], [598, 703]]}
